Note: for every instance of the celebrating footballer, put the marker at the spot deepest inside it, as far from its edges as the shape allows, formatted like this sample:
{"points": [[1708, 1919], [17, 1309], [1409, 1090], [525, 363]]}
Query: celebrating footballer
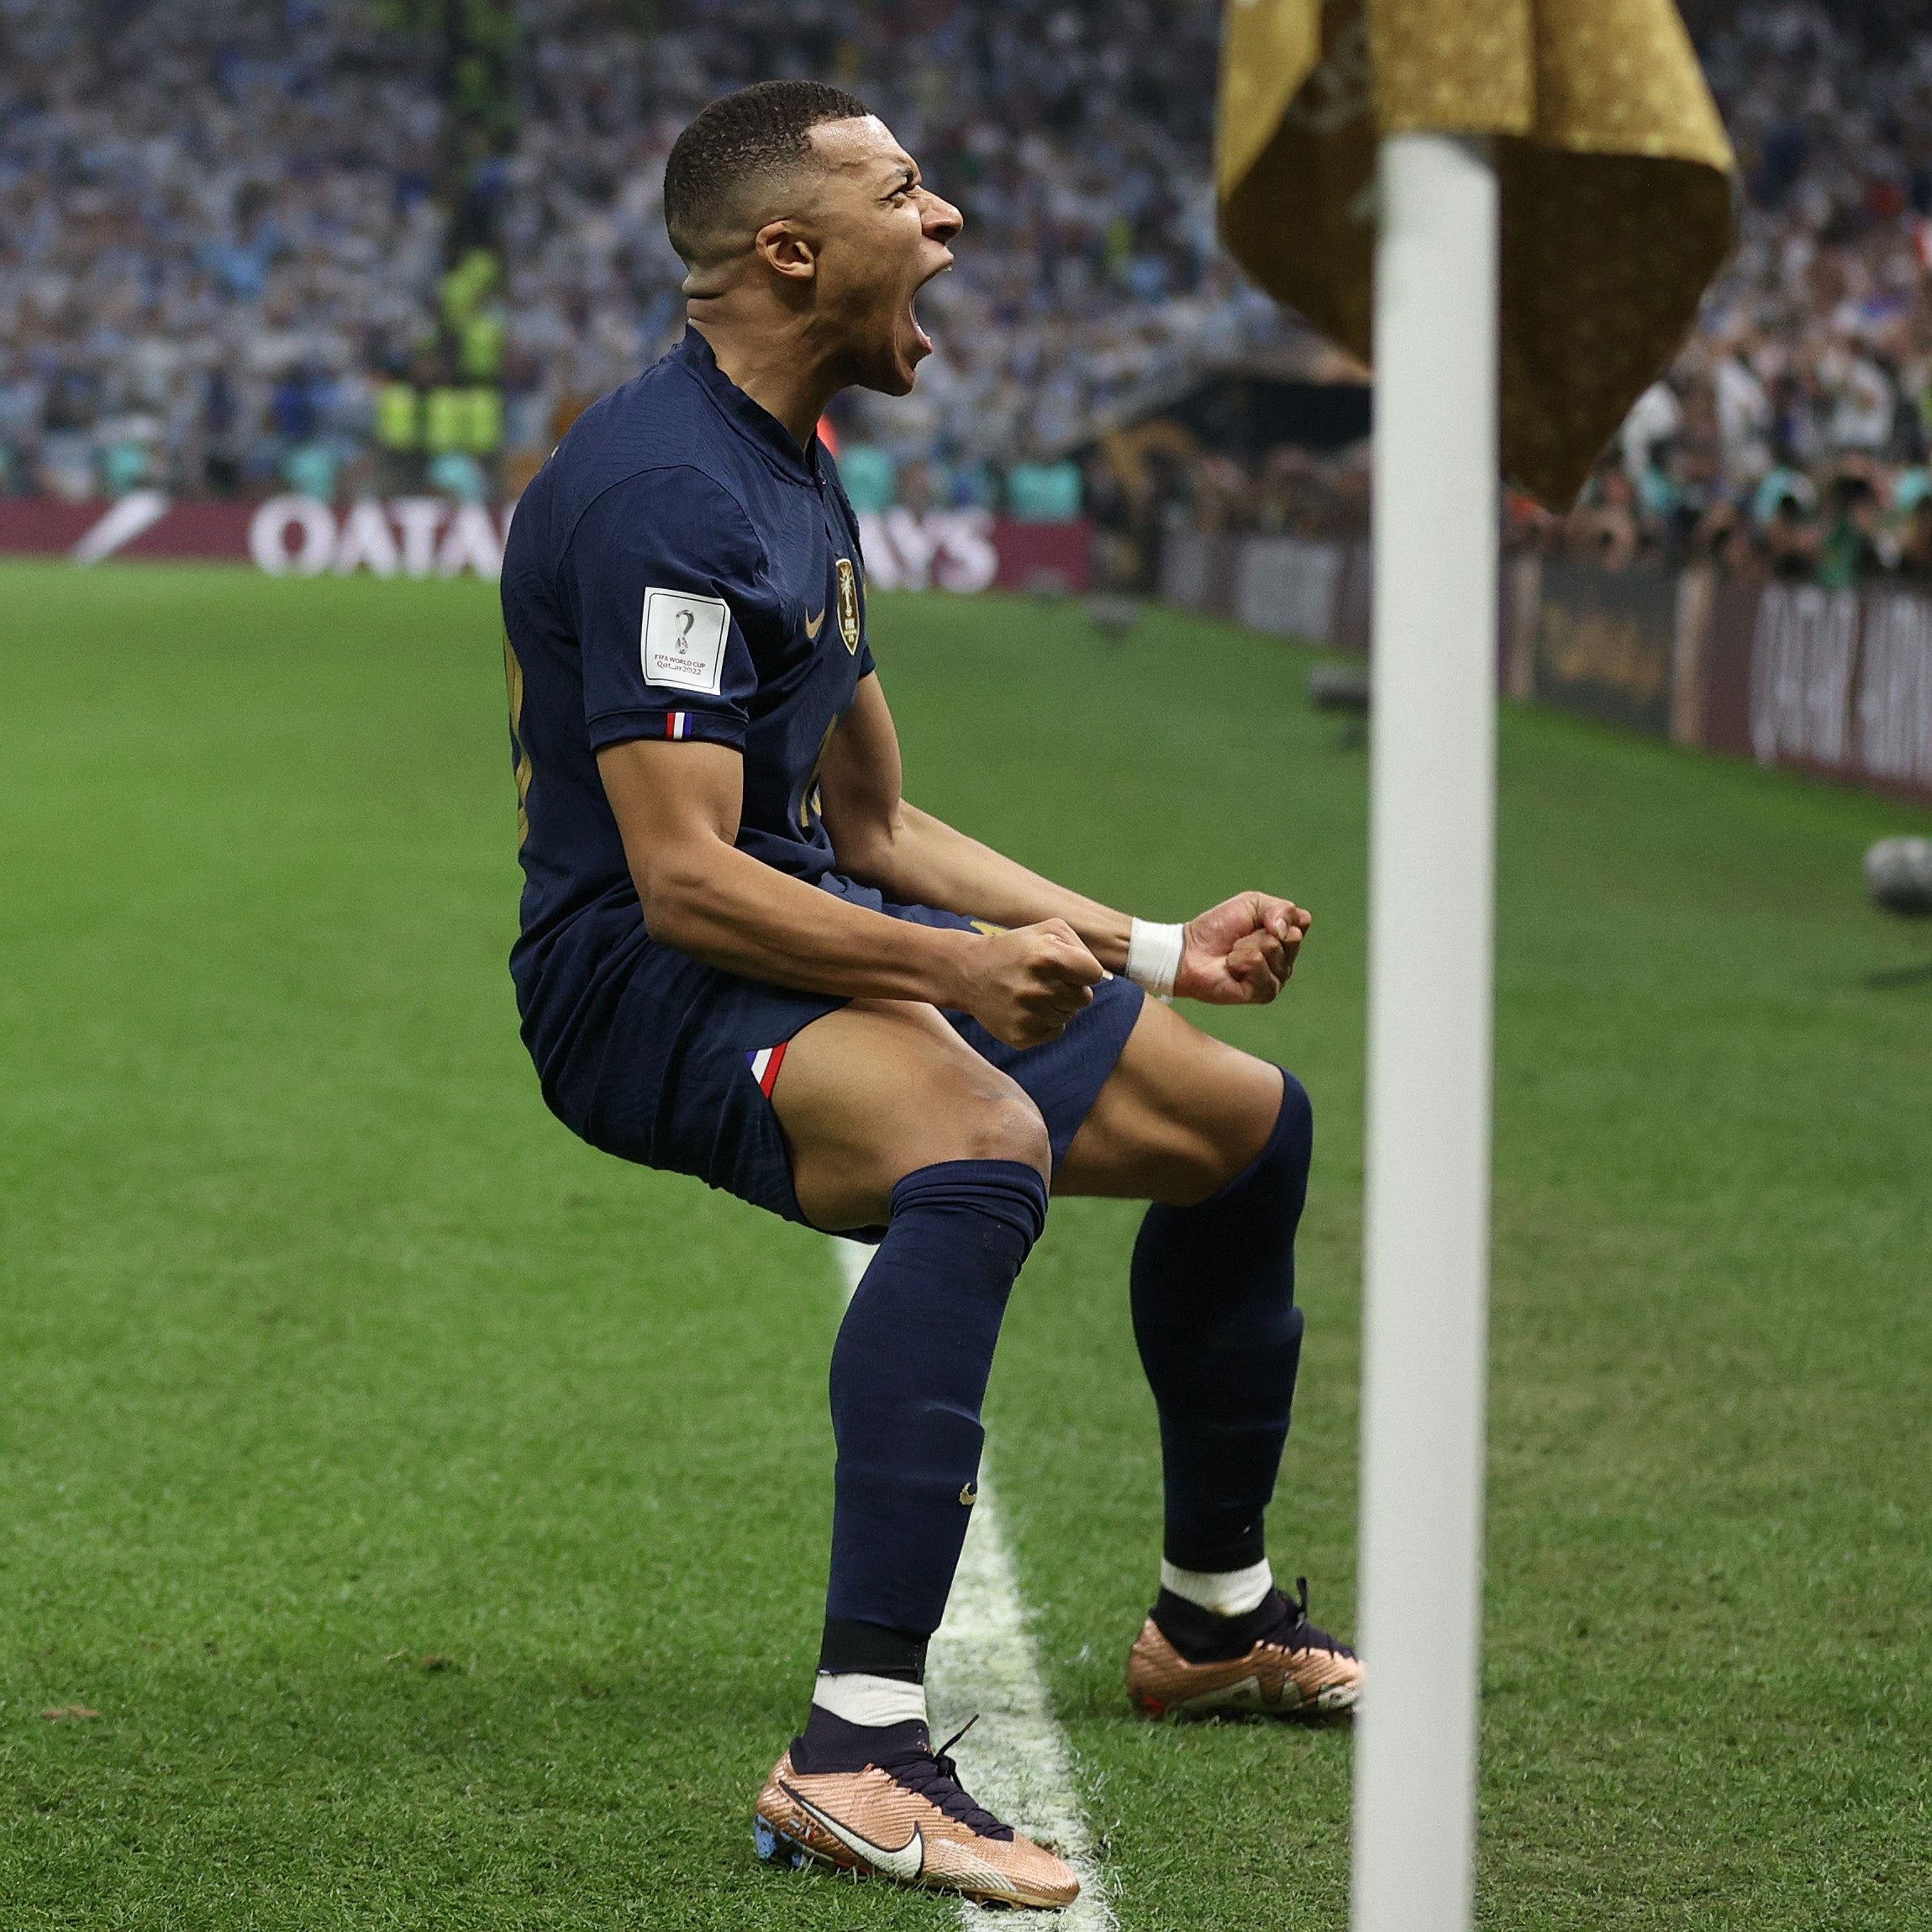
{"points": [[745, 955]]}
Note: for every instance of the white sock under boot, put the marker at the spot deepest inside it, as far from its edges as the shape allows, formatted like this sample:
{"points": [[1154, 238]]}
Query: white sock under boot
{"points": [[860, 1699], [1223, 1593]]}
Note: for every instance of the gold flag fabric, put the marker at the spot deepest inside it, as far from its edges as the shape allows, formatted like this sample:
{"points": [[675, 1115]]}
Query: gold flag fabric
{"points": [[1615, 172]]}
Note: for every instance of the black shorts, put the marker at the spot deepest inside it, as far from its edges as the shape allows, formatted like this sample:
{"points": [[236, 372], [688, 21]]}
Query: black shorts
{"points": [[680, 1074]]}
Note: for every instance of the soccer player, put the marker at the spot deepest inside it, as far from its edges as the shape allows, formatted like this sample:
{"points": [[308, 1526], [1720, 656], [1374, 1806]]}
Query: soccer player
{"points": [[746, 957]]}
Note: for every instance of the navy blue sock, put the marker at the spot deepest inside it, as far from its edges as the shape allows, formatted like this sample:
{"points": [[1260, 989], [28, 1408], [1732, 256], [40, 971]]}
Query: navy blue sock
{"points": [[1220, 1338], [908, 1374]]}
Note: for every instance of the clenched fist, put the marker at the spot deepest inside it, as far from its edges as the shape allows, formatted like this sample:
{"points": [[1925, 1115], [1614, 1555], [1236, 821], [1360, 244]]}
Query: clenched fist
{"points": [[1241, 952], [1023, 986]]}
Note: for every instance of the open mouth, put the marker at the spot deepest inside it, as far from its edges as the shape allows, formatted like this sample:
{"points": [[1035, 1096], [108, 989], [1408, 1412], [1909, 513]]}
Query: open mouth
{"points": [[919, 335]]}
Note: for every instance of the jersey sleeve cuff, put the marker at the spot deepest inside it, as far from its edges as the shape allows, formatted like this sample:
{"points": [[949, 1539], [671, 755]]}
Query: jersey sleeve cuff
{"points": [[705, 727]]}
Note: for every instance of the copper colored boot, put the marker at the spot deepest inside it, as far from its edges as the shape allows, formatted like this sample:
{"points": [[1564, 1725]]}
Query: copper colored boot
{"points": [[906, 1819], [1290, 1669]]}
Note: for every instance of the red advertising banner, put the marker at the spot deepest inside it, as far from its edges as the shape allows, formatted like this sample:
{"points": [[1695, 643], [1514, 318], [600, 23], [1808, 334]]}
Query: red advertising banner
{"points": [[286, 536], [1835, 682], [962, 550]]}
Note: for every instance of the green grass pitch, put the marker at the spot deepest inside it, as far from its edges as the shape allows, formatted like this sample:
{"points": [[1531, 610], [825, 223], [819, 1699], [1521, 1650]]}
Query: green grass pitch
{"points": [[433, 1510]]}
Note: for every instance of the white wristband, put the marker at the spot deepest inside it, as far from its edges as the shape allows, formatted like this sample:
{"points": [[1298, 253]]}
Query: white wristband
{"points": [[1154, 956]]}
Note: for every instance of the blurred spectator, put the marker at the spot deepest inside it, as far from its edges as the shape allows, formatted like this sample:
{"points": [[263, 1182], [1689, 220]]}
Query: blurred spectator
{"points": [[1847, 556], [1656, 417], [870, 476], [1915, 544], [218, 425], [124, 456], [1782, 482], [1745, 411], [400, 406], [1602, 527], [310, 470], [973, 484], [915, 491], [456, 473], [1791, 545], [1042, 492]]}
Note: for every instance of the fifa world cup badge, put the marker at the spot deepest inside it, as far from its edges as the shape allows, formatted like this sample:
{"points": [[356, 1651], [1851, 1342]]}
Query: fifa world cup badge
{"points": [[848, 603]]}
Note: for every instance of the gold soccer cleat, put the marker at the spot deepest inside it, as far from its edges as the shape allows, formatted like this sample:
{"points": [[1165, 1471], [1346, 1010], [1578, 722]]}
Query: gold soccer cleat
{"points": [[1292, 1669], [906, 1819]]}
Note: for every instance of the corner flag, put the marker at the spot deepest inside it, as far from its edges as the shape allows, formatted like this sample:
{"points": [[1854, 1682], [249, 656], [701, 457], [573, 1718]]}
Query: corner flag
{"points": [[1614, 168], [1509, 209]]}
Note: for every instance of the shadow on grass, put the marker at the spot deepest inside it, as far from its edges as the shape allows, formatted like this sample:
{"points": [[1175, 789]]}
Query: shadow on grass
{"points": [[1887, 979]]}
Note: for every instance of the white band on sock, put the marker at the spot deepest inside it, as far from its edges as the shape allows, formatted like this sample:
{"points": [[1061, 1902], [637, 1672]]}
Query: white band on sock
{"points": [[1154, 956], [1226, 1592], [860, 1699]]}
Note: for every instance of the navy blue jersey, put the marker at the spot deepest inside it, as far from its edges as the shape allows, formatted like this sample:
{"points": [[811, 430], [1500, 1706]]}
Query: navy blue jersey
{"points": [[679, 569]]}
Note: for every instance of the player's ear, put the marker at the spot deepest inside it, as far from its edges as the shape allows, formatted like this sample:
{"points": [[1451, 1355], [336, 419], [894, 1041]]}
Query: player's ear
{"points": [[786, 250]]}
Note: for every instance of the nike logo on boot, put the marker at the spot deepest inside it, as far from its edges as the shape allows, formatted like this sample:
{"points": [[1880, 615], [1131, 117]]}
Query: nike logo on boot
{"points": [[904, 1865]]}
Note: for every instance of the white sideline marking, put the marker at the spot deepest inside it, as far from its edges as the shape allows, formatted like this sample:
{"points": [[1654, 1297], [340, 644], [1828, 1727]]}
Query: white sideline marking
{"points": [[1017, 1763]]}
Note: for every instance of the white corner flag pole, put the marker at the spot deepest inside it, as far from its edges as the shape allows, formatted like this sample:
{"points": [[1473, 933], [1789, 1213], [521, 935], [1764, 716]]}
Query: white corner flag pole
{"points": [[1431, 972]]}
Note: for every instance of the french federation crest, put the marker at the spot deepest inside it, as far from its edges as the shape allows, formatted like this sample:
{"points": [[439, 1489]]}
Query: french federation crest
{"points": [[849, 604]]}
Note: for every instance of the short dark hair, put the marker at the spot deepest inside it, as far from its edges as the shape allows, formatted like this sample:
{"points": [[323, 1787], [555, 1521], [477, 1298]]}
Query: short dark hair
{"points": [[758, 131]]}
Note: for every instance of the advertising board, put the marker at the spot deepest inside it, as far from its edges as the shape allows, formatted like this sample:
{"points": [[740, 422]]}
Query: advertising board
{"points": [[959, 550], [1604, 645], [1835, 682]]}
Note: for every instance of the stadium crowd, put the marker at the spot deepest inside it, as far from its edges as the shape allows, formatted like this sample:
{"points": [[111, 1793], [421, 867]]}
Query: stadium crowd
{"points": [[224, 263], [231, 262], [1791, 436]]}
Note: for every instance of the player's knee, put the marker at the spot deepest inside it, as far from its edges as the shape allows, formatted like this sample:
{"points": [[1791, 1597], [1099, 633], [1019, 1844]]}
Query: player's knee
{"points": [[1005, 1126], [1271, 1125], [1288, 1142]]}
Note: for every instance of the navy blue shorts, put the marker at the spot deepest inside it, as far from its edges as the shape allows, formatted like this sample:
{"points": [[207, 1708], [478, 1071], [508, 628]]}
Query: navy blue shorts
{"points": [[684, 1068]]}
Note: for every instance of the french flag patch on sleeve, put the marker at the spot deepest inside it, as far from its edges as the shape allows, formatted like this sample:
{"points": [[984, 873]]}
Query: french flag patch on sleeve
{"points": [[678, 724], [764, 1065]]}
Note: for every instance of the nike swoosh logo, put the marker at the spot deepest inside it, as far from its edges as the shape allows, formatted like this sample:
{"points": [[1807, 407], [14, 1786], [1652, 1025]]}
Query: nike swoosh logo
{"points": [[904, 1865], [813, 625]]}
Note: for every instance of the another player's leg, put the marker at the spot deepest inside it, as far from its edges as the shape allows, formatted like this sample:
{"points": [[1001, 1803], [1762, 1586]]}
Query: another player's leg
{"points": [[1220, 1142], [893, 1122]]}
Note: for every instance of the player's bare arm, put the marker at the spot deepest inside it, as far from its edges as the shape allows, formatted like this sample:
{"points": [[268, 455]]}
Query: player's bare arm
{"points": [[677, 808], [1239, 953]]}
